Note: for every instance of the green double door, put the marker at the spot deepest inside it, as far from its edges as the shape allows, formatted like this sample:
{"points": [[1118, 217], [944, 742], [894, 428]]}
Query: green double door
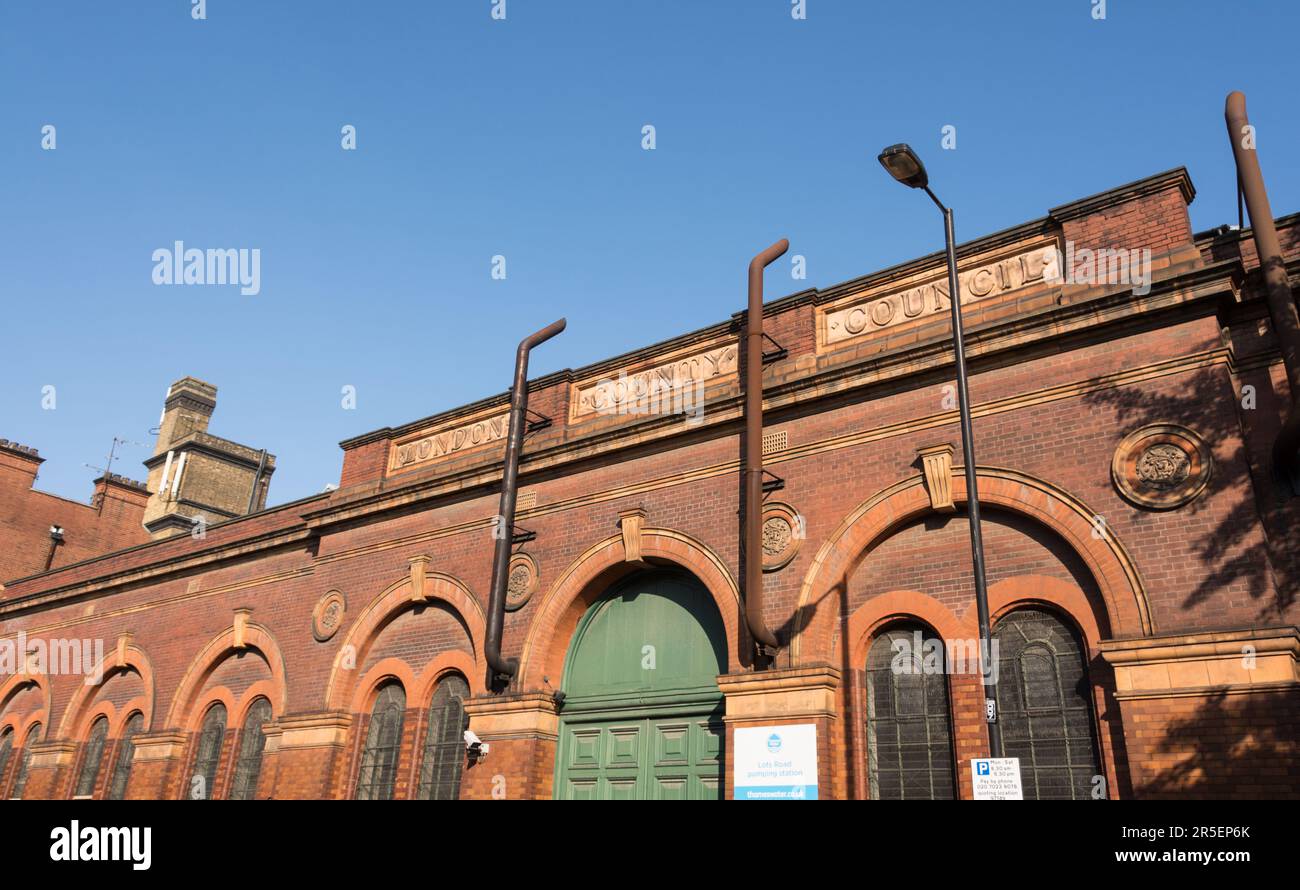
{"points": [[642, 716]]}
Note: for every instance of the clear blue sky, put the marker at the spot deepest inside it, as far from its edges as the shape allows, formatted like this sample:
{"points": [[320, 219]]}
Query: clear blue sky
{"points": [[523, 138]]}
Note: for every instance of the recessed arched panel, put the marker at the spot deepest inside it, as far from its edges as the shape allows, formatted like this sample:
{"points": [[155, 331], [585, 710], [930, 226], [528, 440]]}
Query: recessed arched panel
{"points": [[653, 632]]}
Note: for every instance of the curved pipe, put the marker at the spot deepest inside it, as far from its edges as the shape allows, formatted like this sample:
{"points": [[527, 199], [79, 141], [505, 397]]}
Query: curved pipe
{"points": [[753, 530], [1281, 304], [501, 670]]}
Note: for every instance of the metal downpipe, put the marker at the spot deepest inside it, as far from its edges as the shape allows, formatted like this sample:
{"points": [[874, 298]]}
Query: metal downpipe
{"points": [[752, 538], [501, 670], [1281, 304]]}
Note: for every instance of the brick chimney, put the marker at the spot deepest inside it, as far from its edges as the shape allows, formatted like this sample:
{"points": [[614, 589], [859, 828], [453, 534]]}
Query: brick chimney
{"points": [[195, 478], [19, 464]]}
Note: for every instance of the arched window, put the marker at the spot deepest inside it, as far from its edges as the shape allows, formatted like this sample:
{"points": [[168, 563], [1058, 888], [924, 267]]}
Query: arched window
{"points": [[383, 742], [909, 744], [33, 736], [125, 754], [444, 743], [93, 757], [252, 740], [208, 758], [1045, 705], [6, 754]]}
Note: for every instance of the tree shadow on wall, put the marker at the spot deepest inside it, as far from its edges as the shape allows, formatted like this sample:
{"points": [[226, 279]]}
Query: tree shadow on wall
{"points": [[1228, 555], [1231, 746]]}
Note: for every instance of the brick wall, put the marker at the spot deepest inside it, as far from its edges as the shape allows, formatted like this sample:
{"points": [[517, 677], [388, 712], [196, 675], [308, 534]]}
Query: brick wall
{"points": [[112, 521]]}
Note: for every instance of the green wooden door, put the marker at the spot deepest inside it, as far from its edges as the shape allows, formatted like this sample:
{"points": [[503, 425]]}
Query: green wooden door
{"points": [[642, 718]]}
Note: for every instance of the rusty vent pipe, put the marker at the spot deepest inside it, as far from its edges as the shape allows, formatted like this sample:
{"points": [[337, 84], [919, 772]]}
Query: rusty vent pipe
{"points": [[764, 639], [1281, 304], [502, 670]]}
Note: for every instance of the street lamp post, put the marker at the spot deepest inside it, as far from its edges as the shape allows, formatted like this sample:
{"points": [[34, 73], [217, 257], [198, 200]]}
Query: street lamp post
{"points": [[903, 164]]}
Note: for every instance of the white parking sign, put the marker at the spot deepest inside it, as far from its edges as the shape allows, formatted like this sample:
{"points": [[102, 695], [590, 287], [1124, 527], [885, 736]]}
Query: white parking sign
{"points": [[996, 779]]}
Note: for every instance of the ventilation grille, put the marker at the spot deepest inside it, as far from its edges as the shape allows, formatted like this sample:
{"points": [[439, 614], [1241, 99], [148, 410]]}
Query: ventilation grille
{"points": [[774, 442], [526, 500]]}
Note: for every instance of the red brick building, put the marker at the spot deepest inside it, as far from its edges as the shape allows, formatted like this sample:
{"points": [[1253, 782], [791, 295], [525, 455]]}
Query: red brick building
{"points": [[39, 531], [1141, 556]]}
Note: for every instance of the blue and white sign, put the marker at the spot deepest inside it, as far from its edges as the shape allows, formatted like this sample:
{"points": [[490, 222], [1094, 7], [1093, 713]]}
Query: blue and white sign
{"points": [[996, 779], [776, 762]]}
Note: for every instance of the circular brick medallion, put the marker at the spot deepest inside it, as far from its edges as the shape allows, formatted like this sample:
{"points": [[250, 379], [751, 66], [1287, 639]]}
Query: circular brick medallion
{"points": [[783, 531], [328, 615], [1162, 466], [522, 581]]}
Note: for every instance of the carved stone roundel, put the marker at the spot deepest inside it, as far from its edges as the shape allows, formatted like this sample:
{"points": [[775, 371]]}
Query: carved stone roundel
{"points": [[328, 615], [776, 536], [782, 534], [1161, 466], [521, 581]]}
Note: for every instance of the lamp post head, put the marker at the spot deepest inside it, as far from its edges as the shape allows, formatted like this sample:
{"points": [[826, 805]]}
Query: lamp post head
{"points": [[903, 164]]}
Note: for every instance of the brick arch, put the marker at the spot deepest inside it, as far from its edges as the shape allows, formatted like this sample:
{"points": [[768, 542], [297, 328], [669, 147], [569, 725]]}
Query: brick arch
{"points": [[344, 684], [1042, 591], [22, 723], [1110, 565], [218, 649], [117, 661], [204, 702], [257, 689], [380, 674], [589, 576], [452, 661], [878, 612]]}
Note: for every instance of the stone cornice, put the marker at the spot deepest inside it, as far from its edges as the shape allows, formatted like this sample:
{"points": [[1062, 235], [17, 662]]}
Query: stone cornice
{"points": [[215, 446], [164, 745], [794, 693], [1253, 660], [324, 729], [525, 715]]}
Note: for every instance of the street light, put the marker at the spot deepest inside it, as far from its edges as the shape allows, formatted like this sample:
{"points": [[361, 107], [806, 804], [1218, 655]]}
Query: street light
{"points": [[903, 164]]}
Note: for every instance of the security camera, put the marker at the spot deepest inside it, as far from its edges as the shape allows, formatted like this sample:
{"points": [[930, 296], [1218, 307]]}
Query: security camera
{"points": [[476, 748]]}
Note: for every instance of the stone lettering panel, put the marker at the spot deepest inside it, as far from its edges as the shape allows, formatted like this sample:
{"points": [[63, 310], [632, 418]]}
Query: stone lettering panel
{"points": [[869, 314], [624, 391], [450, 440]]}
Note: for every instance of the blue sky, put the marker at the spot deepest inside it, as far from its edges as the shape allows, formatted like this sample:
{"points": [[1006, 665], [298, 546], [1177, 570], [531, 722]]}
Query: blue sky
{"points": [[522, 138]]}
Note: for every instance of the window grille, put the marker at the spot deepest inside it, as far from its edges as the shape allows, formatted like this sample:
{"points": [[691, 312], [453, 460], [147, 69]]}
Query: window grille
{"points": [[125, 754], [444, 743], [1045, 705], [252, 741], [24, 765], [211, 736], [909, 741], [93, 755], [383, 743]]}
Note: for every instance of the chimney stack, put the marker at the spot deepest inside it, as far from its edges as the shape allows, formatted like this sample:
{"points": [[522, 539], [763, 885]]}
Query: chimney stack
{"points": [[197, 479]]}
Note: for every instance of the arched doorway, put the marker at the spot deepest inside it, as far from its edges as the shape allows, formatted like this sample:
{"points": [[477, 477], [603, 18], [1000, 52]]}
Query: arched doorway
{"points": [[642, 715]]}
